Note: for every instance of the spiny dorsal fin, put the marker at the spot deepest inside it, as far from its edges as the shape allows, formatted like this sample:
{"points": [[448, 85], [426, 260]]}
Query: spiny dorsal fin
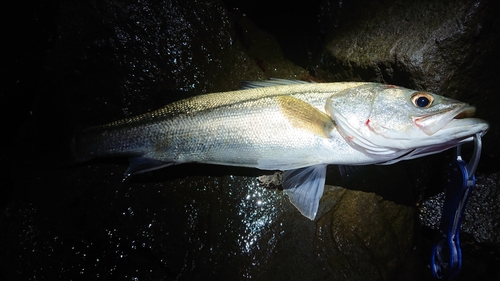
{"points": [[270, 83]]}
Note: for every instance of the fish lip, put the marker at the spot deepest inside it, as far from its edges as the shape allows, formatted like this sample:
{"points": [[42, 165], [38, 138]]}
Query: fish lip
{"points": [[432, 123]]}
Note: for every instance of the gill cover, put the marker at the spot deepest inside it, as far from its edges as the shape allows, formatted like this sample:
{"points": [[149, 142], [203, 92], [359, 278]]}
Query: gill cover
{"points": [[352, 110]]}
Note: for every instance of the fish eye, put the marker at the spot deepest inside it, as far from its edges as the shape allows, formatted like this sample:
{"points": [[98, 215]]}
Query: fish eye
{"points": [[422, 100]]}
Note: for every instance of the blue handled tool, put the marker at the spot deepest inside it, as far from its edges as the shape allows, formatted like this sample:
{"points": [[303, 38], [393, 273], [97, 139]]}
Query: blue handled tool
{"points": [[446, 260]]}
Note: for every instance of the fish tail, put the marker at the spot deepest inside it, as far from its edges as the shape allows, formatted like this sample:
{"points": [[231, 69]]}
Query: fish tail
{"points": [[105, 141]]}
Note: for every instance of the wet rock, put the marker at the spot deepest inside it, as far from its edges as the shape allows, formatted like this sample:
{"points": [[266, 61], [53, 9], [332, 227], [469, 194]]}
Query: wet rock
{"points": [[421, 44], [133, 51], [187, 225], [140, 55], [296, 27], [482, 213], [266, 52], [362, 233]]}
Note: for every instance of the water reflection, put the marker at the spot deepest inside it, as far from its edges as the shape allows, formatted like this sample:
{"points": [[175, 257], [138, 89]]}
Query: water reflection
{"points": [[259, 209]]}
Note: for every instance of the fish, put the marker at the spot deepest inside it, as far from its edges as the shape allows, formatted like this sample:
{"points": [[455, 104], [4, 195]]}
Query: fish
{"points": [[288, 125]]}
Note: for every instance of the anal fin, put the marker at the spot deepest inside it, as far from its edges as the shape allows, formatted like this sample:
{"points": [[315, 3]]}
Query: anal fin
{"points": [[143, 164]]}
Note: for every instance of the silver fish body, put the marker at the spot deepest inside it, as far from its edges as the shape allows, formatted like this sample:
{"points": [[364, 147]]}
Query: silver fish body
{"points": [[288, 125], [271, 128]]}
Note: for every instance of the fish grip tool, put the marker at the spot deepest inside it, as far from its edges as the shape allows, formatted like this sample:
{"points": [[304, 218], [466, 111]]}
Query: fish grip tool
{"points": [[446, 259]]}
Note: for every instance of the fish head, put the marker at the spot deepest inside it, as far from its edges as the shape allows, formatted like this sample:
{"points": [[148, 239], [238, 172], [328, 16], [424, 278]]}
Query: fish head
{"points": [[392, 123]]}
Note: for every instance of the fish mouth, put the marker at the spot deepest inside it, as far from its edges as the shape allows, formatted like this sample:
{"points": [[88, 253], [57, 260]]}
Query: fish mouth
{"points": [[459, 130], [430, 124]]}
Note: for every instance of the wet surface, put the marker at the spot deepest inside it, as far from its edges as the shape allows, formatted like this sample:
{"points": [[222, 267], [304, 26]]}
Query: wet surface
{"points": [[76, 223], [88, 221]]}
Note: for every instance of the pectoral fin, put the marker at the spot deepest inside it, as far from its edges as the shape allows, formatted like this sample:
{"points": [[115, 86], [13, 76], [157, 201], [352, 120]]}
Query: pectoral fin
{"points": [[304, 187], [305, 116]]}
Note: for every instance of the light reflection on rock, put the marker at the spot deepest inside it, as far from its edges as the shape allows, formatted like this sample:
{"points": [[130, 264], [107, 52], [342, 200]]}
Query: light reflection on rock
{"points": [[258, 211]]}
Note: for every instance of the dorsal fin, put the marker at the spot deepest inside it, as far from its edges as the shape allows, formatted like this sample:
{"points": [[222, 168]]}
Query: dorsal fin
{"points": [[271, 82]]}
